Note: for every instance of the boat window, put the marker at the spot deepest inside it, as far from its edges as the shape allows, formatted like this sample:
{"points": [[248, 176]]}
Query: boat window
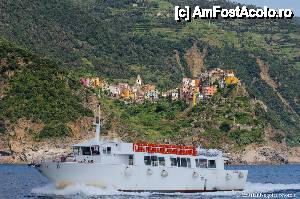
{"points": [[188, 162], [201, 163], [109, 150], [178, 161], [154, 161], [86, 150], [76, 150], [173, 161], [161, 161], [183, 162], [130, 160], [147, 160], [95, 150], [211, 164]]}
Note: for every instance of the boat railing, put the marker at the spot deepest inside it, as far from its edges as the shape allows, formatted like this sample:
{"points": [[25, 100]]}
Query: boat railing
{"points": [[209, 152]]}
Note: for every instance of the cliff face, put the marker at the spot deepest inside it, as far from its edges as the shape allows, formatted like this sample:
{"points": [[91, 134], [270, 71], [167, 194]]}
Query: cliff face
{"points": [[272, 153], [20, 146], [195, 60]]}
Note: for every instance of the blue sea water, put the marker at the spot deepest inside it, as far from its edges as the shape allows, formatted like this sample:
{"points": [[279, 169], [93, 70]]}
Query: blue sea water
{"points": [[264, 181]]}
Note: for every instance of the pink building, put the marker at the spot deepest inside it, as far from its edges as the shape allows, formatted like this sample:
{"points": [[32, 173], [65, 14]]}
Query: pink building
{"points": [[85, 81]]}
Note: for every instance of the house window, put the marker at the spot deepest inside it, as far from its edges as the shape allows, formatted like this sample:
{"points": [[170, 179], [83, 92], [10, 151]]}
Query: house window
{"points": [[161, 161], [201, 163], [147, 160], [211, 164]]}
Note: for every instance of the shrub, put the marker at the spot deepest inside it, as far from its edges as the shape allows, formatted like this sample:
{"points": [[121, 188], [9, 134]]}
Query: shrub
{"points": [[225, 126], [278, 137], [54, 130], [2, 128]]}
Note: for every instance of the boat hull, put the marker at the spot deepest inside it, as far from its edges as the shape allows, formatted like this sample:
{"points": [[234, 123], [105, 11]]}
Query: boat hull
{"points": [[137, 179]]}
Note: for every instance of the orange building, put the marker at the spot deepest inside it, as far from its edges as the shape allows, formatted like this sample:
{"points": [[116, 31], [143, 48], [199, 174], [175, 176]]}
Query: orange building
{"points": [[149, 87], [209, 90], [197, 82], [125, 93]]}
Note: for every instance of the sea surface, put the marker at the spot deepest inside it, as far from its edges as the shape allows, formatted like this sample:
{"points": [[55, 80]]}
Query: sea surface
{"points": [[265, 181]]}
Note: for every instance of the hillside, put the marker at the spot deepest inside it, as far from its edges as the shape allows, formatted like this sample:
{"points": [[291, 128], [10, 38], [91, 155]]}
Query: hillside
{"points": [[38, 90], [235, 121], [118, 40], [44, 109]]}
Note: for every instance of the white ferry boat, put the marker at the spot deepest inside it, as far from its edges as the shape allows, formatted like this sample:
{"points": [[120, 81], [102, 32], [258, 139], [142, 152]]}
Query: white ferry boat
{"points": [[137, 167]]}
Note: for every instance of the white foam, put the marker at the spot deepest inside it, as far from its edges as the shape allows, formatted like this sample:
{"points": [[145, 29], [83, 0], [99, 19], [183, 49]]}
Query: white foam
{"points": [[257, 188], [50, 189]]}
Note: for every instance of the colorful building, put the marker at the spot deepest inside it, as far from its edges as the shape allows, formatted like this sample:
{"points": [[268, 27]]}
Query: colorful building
{"points": [[231, 80], [152, 95], [209, 91], [192, 91], [114, 90]]}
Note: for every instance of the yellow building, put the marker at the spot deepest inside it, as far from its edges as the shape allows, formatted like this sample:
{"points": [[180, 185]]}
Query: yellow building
{"points": [[231, 80], [97, 82], [125, 93]]}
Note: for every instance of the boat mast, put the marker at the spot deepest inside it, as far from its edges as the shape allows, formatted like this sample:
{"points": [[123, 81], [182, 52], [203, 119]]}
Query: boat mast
{"points": [[97, 123]]}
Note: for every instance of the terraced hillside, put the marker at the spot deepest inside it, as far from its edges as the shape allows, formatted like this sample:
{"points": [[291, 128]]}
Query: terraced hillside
{"points": [[120, 39]]}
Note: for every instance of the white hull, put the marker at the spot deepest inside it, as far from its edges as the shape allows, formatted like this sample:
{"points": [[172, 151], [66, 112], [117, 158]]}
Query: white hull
{"points": [[144, 178]]}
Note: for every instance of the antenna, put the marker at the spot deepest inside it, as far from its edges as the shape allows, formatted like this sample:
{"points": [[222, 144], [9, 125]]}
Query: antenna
{"points": [[97, 123]]}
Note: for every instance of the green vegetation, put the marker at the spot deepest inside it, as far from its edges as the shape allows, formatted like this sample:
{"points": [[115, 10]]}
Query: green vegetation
{"points": [[212, 123], [147, 121], [54, 130], [39, 90], [118, 40], [225, 126], [244, 137], [2, 128]]}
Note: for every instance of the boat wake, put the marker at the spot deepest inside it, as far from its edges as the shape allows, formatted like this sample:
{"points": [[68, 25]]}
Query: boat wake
{"points": [[81, 189], [254, 188]]}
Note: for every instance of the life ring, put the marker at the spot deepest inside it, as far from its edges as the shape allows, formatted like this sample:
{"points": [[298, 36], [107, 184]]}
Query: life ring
{"points": [[127, 171], [195, 174], [149, 172], [241, 175], [228, 176], [164, 173]]}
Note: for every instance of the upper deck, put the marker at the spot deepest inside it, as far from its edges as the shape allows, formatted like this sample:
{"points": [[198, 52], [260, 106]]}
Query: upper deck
{"points": [[146, 154]]}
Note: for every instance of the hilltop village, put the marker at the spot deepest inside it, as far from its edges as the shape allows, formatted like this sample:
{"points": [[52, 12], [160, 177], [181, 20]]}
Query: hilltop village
{"points": [[191, 90]]}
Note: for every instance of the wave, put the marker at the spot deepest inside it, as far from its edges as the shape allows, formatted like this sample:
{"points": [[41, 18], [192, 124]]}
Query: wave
{"points": [[83, 189], [74, 189], [257, 188]]}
